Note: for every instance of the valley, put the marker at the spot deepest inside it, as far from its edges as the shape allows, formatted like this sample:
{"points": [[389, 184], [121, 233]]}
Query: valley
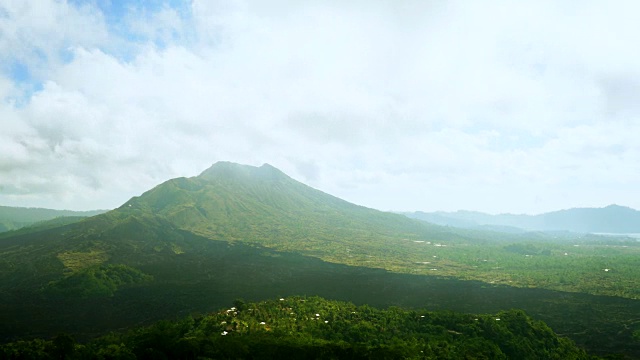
{"points": [[194, 245]]}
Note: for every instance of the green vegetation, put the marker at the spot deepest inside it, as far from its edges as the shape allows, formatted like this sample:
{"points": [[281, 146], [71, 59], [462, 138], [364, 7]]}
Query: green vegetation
{"points": [[582, 266], [304, 328], [192, 245], [97, 281], [13, 218], [210, 274], [78, 260], [264, 206]]}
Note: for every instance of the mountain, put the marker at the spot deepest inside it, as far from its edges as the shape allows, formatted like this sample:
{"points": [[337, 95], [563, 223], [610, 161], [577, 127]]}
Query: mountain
{"points": [[192, 245], [12, 218], [611, 219], [204, 239], [263, 205]]}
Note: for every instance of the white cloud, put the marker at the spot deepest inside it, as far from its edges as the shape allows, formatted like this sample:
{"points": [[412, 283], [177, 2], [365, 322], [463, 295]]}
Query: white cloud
{"points": [[39, 32], [497, 106]]}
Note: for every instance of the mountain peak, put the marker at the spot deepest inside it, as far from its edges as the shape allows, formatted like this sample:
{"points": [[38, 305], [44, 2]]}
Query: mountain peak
{"points": [[231, 170], [618, 207]]}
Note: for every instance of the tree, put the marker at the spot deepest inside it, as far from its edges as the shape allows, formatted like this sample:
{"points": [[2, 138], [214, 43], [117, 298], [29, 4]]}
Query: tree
{"points": [[63, 346]]}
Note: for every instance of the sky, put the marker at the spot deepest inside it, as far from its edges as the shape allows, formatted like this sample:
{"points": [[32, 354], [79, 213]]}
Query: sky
{"points": [[493, 106]]}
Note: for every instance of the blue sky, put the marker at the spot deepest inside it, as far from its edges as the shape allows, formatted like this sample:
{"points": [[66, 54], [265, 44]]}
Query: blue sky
{"points": [[117, 16], [518, 107]]}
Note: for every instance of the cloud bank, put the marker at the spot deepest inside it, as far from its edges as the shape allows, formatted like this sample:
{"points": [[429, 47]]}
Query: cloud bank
{"points": [[494, 106]]}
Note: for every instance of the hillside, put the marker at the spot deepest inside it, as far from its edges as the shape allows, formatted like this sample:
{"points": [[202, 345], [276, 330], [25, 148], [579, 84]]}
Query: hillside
{"points": [[315, 328], [195, 244], [231, 221], [263, 205], [611, 219], [13, 218]]}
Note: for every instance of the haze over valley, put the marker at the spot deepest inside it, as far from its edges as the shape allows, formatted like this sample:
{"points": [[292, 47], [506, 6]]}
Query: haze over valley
{"points": [[612, 219]]}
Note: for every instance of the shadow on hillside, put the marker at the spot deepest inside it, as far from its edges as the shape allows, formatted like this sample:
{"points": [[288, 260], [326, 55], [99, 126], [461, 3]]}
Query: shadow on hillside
{"points": [[214, 273]]}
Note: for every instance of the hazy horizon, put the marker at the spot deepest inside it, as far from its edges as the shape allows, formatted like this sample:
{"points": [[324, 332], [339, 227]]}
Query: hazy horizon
{"points": [[498, 107], [397, 211]]}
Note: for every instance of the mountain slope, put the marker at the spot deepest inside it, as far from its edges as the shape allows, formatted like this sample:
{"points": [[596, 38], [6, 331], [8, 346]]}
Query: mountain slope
{"points": [[189, 222], [194, 244], [227, 202], [12, 218], [610, 219], [263, 205]]}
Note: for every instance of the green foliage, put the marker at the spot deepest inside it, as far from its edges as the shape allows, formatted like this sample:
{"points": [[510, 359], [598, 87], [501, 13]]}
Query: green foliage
{"points": [[97, 281], [315, 328], [33, 349], [254, 233], [78, 260], [13, 218], [527, 249], [264, 206]]}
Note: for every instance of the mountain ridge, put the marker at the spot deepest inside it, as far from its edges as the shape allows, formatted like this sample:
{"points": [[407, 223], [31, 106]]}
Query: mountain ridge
{"points": [[262, 204], [191, 244], [609, 219], [234, 170], [14, 218]]}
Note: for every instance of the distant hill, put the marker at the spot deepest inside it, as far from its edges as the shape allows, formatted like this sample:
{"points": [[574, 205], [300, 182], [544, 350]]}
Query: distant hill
{"points": [[12, 218], [611, 219]]}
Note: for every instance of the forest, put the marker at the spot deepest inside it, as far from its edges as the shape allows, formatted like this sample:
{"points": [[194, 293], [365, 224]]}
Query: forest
{"points": [[193, 245], [316, 328]]}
